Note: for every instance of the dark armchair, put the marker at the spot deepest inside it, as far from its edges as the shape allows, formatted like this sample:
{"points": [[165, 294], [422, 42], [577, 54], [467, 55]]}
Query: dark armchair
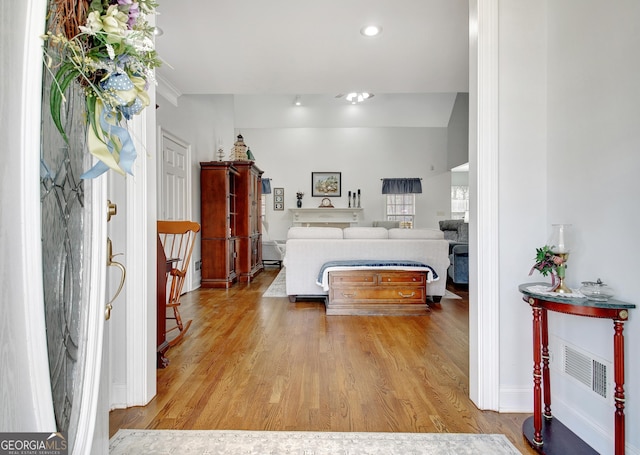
{"points": [[457, 233], [459, 268]]}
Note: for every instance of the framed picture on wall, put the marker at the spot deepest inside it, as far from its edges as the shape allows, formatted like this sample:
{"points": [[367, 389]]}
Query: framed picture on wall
{"points": [[278, 199], [326, 184]]}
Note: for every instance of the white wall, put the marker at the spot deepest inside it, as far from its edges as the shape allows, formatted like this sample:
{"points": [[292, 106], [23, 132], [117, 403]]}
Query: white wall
{"points": [[399, 135], [592, 166], [522, 187], [569, 111], [458, 132], [364, 156], [281, 139]]}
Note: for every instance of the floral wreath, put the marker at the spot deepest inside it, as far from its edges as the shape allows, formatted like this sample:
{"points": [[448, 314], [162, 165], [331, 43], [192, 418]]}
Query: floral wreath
{"points": [[107, 46]]}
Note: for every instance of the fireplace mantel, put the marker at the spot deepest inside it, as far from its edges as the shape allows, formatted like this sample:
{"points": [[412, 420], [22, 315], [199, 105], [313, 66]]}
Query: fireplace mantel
{"points": [[330, 216]]}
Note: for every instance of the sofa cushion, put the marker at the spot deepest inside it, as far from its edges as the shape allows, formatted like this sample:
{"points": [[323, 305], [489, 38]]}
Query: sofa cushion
{"points": [[365, 233], [450, 225], [297, 232], [386, 224], [463, 233], [397, 233]]}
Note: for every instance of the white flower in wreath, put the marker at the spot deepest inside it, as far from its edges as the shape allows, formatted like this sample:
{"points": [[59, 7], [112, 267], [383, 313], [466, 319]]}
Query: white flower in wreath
{"points": [[114, 23], [94, 24]]}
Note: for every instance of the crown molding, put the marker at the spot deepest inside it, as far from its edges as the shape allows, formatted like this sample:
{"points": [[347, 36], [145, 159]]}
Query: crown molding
{"points": [[167, 90]]}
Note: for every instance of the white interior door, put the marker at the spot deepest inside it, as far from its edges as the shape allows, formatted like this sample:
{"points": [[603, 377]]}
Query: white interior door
{"points": [[174, 178], [174, 182]]}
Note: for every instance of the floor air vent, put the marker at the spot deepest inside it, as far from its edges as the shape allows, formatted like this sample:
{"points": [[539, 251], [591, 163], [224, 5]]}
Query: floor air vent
{"points": [[588, 371]]}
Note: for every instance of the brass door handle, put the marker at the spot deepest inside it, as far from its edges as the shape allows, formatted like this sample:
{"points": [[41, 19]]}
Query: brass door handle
{"points": [[112, 263]]}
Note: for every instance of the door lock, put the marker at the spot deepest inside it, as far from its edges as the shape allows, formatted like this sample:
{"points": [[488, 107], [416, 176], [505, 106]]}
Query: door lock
{"points": [[112, 210]]}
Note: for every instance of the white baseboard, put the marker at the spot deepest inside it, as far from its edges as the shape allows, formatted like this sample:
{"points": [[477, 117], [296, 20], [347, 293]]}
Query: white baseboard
{"points": [[516, 400], [118, 398]]}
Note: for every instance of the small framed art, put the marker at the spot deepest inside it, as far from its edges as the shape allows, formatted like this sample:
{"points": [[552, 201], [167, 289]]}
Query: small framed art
{"points": [[278, 199], [326, 184]]}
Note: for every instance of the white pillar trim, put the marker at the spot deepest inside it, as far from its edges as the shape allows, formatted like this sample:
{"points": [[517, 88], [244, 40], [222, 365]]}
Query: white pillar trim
{"points": [[484, 304], [140, 311]]}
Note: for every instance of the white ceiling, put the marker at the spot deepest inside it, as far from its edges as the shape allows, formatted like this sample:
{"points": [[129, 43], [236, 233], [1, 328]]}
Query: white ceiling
{"points": [[313, 47]]}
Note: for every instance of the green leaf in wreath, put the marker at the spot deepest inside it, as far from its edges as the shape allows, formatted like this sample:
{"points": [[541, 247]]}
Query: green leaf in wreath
{"points": [[65, 75]]}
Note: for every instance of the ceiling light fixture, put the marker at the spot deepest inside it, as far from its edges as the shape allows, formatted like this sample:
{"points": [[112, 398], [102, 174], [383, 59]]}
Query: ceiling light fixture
{"points": [[371, 30], [298, 101], [355, 97]]}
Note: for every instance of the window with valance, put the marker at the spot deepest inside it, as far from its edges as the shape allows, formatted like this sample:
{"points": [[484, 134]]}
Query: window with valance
{"points": [[401, 186], [401, 199]]}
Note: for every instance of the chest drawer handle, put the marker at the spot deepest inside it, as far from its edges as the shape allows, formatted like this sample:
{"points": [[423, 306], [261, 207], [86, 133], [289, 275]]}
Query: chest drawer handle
{"points": [[348, 295], [406, 296]]}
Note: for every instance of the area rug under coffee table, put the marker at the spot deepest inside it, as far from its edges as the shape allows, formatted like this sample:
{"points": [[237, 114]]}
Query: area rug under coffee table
{"points": [[200, 442]]}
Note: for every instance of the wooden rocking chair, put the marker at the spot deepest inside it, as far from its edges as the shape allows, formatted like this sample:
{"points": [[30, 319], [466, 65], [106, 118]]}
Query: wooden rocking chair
{"points": [[178, 239]]}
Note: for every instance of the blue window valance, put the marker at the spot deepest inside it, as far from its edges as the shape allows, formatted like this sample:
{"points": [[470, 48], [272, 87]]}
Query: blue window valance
{"points": [[266, 186], [401, 186]]}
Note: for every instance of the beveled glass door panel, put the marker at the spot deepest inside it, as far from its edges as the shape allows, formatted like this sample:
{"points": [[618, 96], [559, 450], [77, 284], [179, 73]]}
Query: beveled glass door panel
{"points": [[66, 218]]}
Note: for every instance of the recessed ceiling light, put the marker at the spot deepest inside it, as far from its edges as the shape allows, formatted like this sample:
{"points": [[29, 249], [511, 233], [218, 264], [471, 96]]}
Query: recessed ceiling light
{"points": [[371, 30], [356, 97]]}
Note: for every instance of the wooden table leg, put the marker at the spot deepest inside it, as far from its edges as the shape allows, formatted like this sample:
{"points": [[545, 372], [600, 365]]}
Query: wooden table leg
{"points": [[618, 366], [546, 378], [537, 391]]}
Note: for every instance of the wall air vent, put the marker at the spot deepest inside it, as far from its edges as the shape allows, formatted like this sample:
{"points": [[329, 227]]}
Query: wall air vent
{"points": [[586, 370]]}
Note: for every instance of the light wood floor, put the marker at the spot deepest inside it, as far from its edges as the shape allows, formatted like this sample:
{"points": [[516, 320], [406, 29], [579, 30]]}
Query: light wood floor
{"points": [[254, 363]]}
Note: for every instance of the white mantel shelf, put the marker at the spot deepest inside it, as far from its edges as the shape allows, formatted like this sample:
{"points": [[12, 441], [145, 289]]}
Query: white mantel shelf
{"points": [[339, 217]]}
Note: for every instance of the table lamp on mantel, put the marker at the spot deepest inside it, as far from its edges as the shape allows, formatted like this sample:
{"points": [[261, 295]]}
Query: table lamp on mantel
{"points": [[559, 242]]}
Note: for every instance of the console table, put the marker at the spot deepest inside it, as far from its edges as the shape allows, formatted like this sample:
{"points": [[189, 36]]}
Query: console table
{"points": [[551, 436]]}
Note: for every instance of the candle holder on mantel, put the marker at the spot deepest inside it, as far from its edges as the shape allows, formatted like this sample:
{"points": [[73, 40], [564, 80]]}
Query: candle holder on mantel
{"points": [[560, 248]]}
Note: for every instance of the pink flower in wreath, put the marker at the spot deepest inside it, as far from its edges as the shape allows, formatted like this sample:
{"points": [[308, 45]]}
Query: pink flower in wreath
{"points": [[557, 260]]}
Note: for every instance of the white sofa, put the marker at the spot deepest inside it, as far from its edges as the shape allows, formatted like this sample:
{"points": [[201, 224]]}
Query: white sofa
{"points": [[308, 248]]}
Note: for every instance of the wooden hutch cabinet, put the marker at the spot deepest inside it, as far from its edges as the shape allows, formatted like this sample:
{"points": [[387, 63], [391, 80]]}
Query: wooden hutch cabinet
{"points": [[231, 227], [248, 224]]}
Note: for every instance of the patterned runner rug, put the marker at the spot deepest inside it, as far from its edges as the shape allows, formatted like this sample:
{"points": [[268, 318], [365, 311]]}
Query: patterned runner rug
{"points": [[278, 288], [230, 442]]}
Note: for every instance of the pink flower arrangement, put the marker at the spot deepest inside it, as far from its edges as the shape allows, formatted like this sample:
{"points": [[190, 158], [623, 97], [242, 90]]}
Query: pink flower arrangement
{"points": [[547, 262]]}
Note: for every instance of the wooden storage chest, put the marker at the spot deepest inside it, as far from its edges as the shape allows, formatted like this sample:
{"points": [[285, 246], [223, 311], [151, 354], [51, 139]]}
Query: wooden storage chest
{"points": [[377, 292]]}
